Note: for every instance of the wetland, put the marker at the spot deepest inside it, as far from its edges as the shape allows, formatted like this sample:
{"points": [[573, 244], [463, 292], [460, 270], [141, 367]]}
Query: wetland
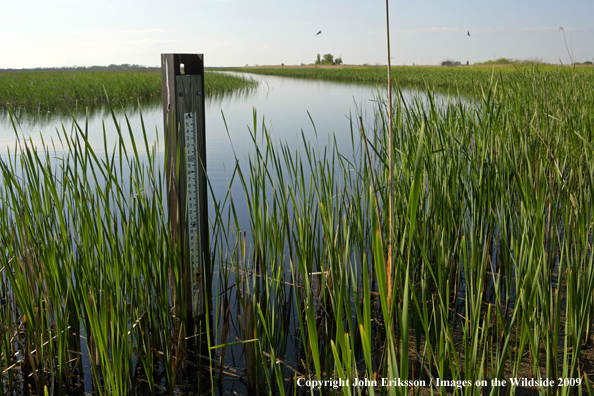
{"points": [[493, 272]]}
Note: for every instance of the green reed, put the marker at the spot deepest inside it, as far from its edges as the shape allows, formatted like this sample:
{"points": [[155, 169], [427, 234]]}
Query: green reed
{"points": [[493, 226], [493, 264], [464, 79], [54, 90], [87, 255]]}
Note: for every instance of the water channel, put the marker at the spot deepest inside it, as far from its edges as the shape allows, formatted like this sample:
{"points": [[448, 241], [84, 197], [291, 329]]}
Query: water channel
{"points": [[291, 109]]}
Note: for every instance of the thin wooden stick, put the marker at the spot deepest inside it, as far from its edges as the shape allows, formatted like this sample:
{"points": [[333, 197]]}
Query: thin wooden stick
{"points": [[391, 167], [379, 219]]}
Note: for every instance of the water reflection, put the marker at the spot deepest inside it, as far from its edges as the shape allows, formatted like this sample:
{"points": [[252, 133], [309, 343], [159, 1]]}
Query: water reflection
{"points": [[292, 110], [288, 106], [41, 117]]}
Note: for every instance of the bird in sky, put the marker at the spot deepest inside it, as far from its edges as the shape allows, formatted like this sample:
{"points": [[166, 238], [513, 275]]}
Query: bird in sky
{"points": [[318, 33], [468, 33]]}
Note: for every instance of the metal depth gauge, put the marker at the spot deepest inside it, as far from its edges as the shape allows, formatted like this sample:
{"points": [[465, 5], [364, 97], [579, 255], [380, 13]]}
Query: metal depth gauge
{"points": [[190, 134]]}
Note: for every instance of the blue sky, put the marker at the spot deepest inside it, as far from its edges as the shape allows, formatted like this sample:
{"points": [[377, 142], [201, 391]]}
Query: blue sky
{"points": [[54, 33]]}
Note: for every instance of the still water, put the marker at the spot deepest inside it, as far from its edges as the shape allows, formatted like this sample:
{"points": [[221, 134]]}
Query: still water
{"points": [[289, 108], [285, 104]]}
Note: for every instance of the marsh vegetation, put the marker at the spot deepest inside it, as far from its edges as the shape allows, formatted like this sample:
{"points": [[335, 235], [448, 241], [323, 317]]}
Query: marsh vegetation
{"points": [[493, 269], [65, 89], [465, 80]]}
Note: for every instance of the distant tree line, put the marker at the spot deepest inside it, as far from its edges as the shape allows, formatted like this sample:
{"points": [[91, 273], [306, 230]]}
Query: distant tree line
{"points": [[123, 66], [328, 60], [450, 63], [530, 61]]}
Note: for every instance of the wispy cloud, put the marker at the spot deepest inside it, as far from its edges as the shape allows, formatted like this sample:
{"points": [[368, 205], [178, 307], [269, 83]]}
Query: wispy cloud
{"points": [[479, 30], [431, 30], [539, 28], [552, 28], [119, 32], [39, 1], [420, 30]]}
